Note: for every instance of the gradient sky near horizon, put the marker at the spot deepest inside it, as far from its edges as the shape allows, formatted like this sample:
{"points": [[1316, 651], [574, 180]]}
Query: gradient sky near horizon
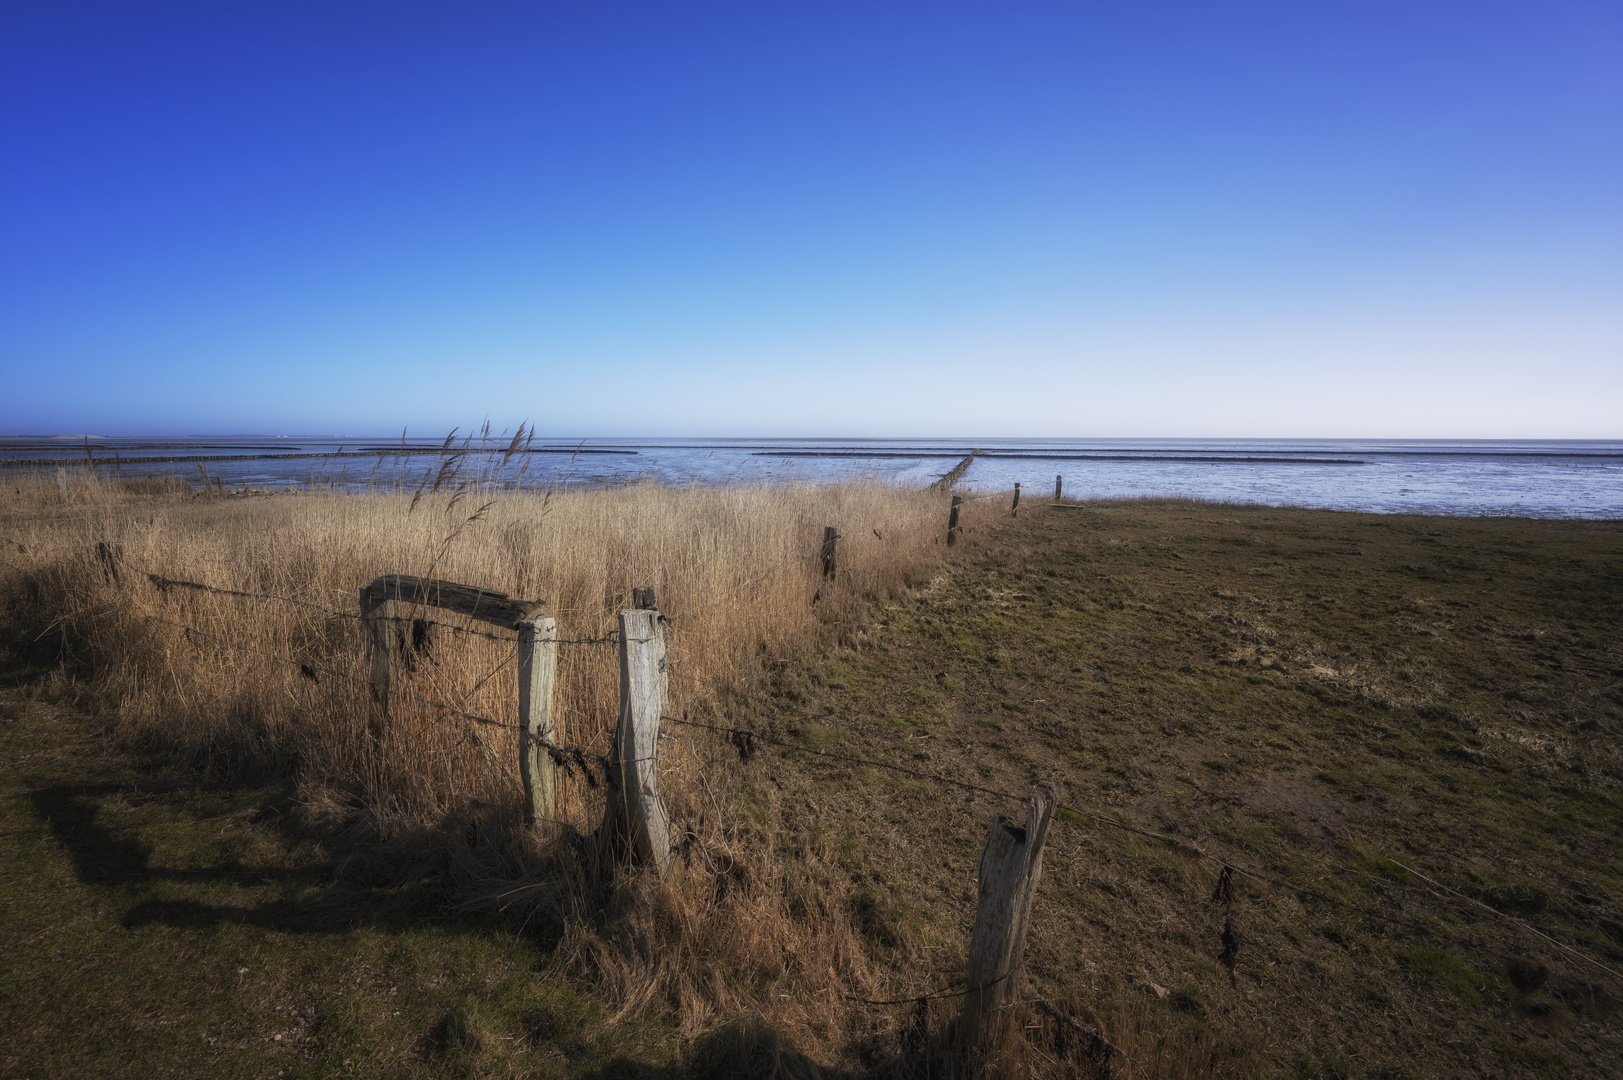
{"points": [[1161, 219]]}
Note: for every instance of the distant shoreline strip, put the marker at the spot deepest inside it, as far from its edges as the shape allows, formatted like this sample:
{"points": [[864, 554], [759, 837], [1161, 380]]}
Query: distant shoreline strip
{"points": [[367, 454], [1070, 457]]}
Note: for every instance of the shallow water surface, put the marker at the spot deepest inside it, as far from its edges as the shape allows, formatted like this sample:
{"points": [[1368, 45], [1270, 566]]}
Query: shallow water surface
{"points": [[1532, 478]]}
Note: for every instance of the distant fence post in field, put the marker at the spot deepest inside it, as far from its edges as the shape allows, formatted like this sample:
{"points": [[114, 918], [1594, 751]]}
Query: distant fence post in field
{"points": [[1014, 511], [1010, 867], [831, 540], [61, 484], [636, 744], [537, 675], [1059, 486], [952, 521]]}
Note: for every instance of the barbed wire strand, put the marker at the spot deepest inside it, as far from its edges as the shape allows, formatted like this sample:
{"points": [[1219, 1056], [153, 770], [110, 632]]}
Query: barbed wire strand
{"points": [[306, 668], [1175, 842], [164, 583]]}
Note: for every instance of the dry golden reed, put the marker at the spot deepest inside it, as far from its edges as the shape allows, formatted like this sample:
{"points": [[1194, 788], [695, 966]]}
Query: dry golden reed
{"points": [[244, 687]]}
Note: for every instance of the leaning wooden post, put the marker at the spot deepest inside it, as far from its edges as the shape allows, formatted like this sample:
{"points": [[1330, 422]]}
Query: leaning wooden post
{"points": [[1011, 865], [1014, 511], [537, 675], [831, 539], [378, 611], [952, 521], [647, 824], [1059, 486]]}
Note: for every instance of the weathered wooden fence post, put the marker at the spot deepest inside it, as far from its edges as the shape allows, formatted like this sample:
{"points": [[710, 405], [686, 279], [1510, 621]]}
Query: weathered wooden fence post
{"points": [[1014, 511], [646, 598], [537, 675], [1011, 865], [952, 521], [61, 484], [636, 745], [831, 539], [378, 613], [1059, 486]]}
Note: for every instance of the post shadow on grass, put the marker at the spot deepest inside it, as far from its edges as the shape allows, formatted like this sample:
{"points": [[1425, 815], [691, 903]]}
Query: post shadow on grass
{"points": [[106, 855], [745, 1050]]}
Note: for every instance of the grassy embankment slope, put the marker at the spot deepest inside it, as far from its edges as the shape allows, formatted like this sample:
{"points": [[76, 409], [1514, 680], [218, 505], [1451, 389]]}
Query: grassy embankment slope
{"points": [[1352, 705], [1289, 690]]}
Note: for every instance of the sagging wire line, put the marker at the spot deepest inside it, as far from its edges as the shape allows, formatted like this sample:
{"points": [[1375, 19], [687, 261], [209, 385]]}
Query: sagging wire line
{"points": [[934, 995], [18, 544], [1542, 932], [1025, 775], [814, 552], [715, 804], [1093, 1036], [310, 671], [730, 594], [561, 755], [1530, 928], [165, 583], [744, 740], [738, 631]]}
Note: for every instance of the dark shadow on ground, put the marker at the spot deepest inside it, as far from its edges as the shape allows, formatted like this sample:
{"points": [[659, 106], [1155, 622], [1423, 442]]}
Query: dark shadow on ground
{"points": [[744, 1050], [313, 896]]}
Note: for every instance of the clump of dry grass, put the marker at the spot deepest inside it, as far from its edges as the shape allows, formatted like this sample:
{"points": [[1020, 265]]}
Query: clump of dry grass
{"points": [[239, 686]]}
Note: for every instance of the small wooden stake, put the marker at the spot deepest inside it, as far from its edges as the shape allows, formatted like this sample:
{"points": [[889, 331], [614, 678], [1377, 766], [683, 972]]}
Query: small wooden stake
{"points": [[1010, 868], [1059, 486], [1014, 511], [109, 554], [952, 521], [831, 539], [537, 675], [61, 484], [645, 598], [378, 617], [647, 824]]}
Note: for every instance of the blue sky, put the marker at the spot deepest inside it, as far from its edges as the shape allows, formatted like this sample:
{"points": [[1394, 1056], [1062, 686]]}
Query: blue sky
{"points": [[870, 218]]}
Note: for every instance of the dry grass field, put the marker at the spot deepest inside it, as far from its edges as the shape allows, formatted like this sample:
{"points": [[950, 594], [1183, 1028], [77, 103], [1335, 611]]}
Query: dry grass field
{"points": [[1402, 731]]}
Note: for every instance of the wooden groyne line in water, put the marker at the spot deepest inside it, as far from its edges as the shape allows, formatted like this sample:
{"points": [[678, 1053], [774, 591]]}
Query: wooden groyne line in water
{"points": [[957, 473]]}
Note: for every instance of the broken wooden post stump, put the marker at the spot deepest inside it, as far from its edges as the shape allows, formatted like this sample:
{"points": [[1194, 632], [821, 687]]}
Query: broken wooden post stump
{"points": [[1010, 867]]}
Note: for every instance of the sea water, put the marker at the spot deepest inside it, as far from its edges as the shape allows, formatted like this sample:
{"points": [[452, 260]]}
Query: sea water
{"points": [[1528, 478]]}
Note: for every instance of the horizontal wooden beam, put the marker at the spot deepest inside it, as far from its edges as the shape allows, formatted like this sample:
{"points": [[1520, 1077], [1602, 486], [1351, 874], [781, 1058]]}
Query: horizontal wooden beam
{"points": [[486, 605]]}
